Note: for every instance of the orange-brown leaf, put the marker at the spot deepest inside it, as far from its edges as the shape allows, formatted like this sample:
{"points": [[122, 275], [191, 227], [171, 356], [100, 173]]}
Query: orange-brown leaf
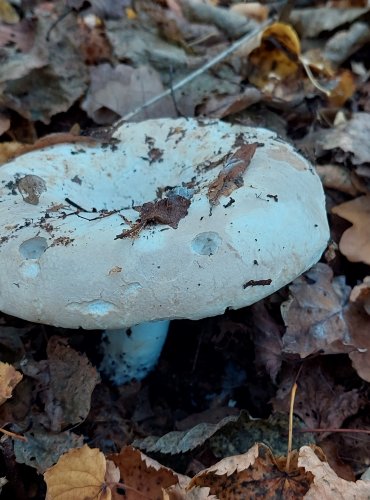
{"points": [[231, 175], [9, 378], [355, 241]]}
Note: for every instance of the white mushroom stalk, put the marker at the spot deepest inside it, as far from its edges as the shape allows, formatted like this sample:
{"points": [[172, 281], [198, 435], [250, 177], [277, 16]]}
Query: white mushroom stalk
{"points": [[132, 353], [172, 219]]}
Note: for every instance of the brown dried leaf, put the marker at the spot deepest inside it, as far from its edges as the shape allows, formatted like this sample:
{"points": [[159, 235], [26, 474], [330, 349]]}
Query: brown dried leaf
{"points": [[4, 123], [361, 294], [251, 10], [326, 484], [349, 139], [93, 43], [142, 474], [255, 474], [78, 474], [355, 241], [319, 402], [337, 177], [114, 92], [10, 150], [177, 442], [167, 211], [359, 323], [231, 175], [178, 493], [72, 380], [314, 315], [310, 22], [267, 340], [22, 34], [43, 449], [9, 378], [219, 106], [319, 317]]}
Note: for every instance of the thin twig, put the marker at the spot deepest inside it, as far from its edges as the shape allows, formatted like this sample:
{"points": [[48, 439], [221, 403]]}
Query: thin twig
{"points": [[249, 37], [13, 435], [290, 435]]}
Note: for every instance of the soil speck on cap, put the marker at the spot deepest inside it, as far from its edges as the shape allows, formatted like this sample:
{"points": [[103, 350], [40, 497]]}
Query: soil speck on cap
{"points": [[62, 240]]}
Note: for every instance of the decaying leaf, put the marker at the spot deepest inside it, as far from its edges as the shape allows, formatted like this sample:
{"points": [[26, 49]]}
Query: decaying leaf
{"points": [[348, 140], [219, 106], [177, 442], [319, 317], [361, 294], [337, 177], [31, 187], [43, 449], [168, 211], [114, 92], [326, 484], [72, 380], [267, 340], [345, 42], [178, 493], [314, 314], [4, 123], [142, 474], [10, 150], [231, 175], [255, 474], [79, 473], [251, 10], [319, 401], [9, 378], [310, 22], [355, 241]]}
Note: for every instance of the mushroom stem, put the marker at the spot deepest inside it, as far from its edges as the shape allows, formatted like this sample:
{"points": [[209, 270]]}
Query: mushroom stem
{"points": [[131, 353]]}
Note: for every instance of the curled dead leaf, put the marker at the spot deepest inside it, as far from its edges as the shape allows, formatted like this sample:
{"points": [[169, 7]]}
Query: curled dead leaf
{"points": [[277, 56], [361, 294], [326, 484], [167, 211], [231, 175]]}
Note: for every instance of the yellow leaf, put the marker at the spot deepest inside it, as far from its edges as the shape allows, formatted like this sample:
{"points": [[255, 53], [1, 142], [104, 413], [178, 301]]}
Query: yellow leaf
{"points": [[9, 378], [78, 474], [131, 14], [277, 56], [343, 90], [8, 14]]}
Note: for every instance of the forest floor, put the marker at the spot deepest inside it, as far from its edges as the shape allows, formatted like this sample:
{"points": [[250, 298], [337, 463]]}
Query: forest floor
{"points": [[222, 384]]}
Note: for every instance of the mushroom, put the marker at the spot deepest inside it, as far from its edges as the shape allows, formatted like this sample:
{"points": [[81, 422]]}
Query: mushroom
{"points": [[172, 219]]}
